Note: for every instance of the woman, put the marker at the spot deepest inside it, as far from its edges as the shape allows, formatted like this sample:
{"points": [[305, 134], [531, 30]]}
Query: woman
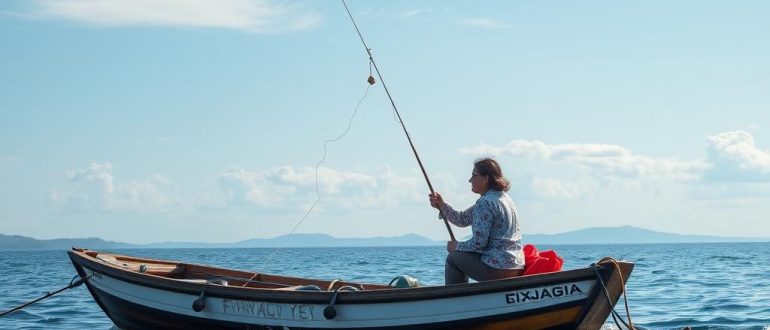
{"points": [[495, 249]]}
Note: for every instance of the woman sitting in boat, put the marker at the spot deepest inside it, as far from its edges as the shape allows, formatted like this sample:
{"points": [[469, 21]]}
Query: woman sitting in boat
{"points": [[495, 250]]}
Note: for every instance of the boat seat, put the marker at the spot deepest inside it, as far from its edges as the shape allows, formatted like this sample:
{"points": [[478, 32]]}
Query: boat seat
{"points": [[300, 288], [202, 281], [160, 270], [110, 259], [153, 269]]}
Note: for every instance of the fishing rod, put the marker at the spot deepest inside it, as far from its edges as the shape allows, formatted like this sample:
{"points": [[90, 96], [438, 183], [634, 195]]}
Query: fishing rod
{"points": [[392, 103]]}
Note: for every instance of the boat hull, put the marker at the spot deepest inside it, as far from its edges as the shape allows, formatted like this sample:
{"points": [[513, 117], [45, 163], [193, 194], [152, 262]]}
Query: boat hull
{"points": [[564, 300]]}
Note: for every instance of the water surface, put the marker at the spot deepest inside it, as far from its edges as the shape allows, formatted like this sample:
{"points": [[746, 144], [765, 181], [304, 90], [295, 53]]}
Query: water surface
{"points": [[704, 286]]}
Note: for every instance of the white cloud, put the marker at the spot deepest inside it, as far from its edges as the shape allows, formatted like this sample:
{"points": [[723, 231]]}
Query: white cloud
{"points": [[95, 189], [261, 16], [734, 172], [290, 187], [98, 173], [603, 159], [243, 187], [739, 146], [736, 150], [484, 23], [558, 189], [415, 13], [379, 13], [329, 180]]}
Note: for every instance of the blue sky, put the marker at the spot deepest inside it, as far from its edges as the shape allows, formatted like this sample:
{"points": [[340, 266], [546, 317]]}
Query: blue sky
{"points": [[146, 121]]}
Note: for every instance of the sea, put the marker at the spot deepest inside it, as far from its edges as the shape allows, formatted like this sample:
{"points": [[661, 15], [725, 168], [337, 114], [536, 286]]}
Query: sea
{"points": [[673, 286]]}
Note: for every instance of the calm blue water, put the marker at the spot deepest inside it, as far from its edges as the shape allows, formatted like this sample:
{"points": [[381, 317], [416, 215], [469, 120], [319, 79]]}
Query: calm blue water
{"points": [[705, 286]]}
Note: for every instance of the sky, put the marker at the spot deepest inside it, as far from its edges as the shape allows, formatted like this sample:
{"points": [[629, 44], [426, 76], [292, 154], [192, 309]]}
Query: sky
{"points": [[204, 120]]}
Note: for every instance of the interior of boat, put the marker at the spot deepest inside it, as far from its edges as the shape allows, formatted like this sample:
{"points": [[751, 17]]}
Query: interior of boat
{"points": [[227, 277]]}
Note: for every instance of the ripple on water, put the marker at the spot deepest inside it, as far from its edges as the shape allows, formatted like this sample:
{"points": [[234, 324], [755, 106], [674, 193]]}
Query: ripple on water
{"points": [[13, 265], [22, 314], [710, 308], [678, 322], [731, 257]]}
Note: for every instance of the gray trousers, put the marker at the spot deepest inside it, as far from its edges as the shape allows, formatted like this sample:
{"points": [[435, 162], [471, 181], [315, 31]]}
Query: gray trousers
{"points": [[461, 265]]}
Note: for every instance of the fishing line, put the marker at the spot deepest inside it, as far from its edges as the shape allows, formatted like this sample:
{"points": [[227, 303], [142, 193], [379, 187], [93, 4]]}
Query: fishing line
{"points": [[317, 193], [317, 166], [392, 103], [371, 81]]}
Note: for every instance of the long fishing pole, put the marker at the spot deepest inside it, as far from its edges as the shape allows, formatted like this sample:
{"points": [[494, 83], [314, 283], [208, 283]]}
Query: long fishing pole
{"points": [[371, 59]]}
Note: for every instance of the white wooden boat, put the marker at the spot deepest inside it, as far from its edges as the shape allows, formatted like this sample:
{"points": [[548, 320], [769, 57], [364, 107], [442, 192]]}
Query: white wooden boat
{"points": [[139, 293]]}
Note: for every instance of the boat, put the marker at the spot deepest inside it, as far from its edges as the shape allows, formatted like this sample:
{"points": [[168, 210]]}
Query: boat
{"points": [[140, 293]]}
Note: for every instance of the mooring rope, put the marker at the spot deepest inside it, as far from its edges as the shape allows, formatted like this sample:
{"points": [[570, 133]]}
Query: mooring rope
{"points": [[72, 284], [615, 316]]}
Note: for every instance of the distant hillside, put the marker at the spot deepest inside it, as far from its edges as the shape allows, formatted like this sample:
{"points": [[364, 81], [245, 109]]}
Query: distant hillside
{"points": [[598, 235], [15, 242], [628, 235]]}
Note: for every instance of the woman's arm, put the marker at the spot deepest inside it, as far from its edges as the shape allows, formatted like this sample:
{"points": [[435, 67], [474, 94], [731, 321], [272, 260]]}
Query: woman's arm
{"points": [[483, 219], [458, 218]]}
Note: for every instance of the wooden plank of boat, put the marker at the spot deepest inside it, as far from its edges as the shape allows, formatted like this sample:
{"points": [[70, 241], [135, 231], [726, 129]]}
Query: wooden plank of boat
{"points": [[138, 293]]}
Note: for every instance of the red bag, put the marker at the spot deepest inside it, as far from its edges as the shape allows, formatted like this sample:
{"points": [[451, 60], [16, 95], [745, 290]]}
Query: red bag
{"points": [[542, 262]]}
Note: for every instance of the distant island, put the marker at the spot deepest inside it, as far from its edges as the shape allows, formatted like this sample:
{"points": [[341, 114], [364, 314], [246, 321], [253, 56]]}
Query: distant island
{"points": [[630, 235], [596, 235]]}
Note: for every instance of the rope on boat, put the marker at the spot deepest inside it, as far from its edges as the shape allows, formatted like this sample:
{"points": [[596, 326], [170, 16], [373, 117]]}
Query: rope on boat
{"points": [[73, 284], [330, 312], [615, 316], [331, 284]]}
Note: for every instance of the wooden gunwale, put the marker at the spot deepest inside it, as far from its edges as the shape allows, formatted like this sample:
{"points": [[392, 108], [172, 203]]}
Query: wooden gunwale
{"points": [[362, 297]]}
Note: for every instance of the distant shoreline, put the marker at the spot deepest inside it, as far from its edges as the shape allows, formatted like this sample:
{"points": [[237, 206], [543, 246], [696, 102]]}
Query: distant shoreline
{"points": [[589, 236]]}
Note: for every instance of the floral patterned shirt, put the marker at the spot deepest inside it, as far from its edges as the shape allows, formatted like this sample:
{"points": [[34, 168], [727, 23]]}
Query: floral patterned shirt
{"points": [[496, 234]]}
